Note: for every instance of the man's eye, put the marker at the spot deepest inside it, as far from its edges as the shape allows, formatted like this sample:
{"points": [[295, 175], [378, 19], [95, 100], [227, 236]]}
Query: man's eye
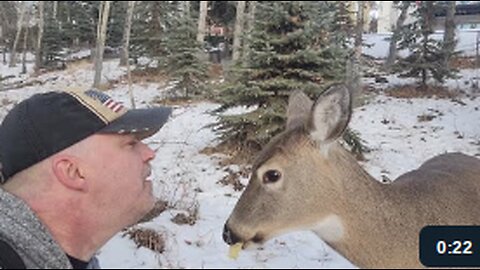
{"points": [[133, 142]]}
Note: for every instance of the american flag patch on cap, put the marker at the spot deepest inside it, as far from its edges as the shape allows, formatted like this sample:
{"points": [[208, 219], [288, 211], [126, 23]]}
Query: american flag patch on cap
{"points": [[105, 100]]}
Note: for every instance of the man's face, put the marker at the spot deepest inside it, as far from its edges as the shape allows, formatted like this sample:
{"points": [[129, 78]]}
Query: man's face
{"points": [[117, 168]]}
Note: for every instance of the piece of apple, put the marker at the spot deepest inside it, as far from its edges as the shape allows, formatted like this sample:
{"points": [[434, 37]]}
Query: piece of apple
{"points": [[235, 250]]}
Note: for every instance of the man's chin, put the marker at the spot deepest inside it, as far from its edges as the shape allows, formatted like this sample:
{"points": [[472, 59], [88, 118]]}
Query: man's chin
{"points": [[147, 213]]}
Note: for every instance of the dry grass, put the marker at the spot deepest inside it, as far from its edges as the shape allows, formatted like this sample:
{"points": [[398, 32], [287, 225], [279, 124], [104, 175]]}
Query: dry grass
{"points": [[106, 86], [233, 178], [147, 238], [183, 219], [84, 64], [187, 219], [235, 153], [425, 117], [148, 76], [414, 91], [142, 77], [215, 71], [6, 101], [176, 101], [158, 208], [463, 62]]}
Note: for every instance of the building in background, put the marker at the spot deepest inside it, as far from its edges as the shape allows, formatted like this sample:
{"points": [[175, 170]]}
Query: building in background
{"points": [[384, 14], [467, 16]]}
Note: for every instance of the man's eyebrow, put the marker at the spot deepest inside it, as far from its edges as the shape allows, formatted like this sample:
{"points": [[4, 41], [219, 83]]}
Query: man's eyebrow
{"points": [[127, 138]]}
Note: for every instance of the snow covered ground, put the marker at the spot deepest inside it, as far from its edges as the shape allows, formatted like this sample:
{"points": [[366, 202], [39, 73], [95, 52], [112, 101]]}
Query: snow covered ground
{"points": [[187, 179]]}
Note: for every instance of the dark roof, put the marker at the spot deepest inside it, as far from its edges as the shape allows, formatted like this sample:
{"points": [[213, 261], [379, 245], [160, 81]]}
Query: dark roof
{"points": [[460, 9]]}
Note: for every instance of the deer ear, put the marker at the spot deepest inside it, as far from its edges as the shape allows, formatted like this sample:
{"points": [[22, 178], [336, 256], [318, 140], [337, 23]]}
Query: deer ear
{"points": [[330, 114], [299, 107]]}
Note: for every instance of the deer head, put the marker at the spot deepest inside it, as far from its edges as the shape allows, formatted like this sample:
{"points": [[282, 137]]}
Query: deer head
{"points": [[293, 178]]}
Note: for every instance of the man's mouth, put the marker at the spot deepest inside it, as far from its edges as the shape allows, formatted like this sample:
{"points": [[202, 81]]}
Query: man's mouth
{"points": [[149, 175]]}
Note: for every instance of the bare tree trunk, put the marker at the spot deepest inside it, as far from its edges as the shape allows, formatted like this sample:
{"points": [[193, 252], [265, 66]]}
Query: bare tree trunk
{"points": [[156, 15], [250, 23], [477, 61], [6, 8], [38, 45], [353, 67], [202, 22], [239, 23], [101, 36], [359, 31], [157, 23], [129, 78], [4, 44], [252, 6], [24, 57], [373, 24], [426, 31], [55, 7], [4, 51], [186, 7], [392, 51], [131, 5], [126, 34], [13, 58], [449, 34]]}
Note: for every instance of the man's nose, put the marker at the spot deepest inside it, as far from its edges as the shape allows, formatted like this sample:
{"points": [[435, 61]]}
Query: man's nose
{"points": [[147, 152]]}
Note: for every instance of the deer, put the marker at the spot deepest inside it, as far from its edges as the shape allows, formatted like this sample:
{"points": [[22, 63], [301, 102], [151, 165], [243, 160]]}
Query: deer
{"points": [[304, 179]]}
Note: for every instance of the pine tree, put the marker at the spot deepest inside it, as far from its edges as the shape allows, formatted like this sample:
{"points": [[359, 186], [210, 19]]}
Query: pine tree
{"points": [[342, 25], [53, 39], [39, 37], [185, 61], [238, 32], [426, 59], [116, 23], [449, 41], [78, 20], [20, 26], [151, 21], [291, 48], [8, 21]]}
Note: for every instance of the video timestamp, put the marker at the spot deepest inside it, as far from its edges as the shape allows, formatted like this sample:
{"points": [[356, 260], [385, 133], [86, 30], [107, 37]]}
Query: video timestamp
{"points": [[450, 246]]}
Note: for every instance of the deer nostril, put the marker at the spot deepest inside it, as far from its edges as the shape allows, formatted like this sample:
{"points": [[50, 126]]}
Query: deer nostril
{"points": [[229, 237]]}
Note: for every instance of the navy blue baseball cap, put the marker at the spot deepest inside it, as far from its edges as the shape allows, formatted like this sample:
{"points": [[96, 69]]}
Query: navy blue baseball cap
{"points": [[45, 124]]}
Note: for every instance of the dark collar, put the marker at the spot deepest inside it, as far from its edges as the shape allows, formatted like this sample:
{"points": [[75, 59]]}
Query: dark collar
{"points": [[76, 263]]}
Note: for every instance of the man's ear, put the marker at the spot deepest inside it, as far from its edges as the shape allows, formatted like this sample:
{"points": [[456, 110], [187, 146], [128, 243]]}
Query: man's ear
{"points": [[67, 170]]}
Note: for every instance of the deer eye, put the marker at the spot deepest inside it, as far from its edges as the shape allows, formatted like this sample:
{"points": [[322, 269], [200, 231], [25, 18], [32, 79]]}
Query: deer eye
{"points": [[271, 176]]}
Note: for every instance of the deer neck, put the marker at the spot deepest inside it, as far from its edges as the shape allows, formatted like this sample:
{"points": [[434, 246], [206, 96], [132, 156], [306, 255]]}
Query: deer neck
{"points": [[353, 217]]}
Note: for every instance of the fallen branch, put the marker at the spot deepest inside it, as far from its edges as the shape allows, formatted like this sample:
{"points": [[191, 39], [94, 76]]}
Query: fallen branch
{"points": [[6, 77], [25, 84]]}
